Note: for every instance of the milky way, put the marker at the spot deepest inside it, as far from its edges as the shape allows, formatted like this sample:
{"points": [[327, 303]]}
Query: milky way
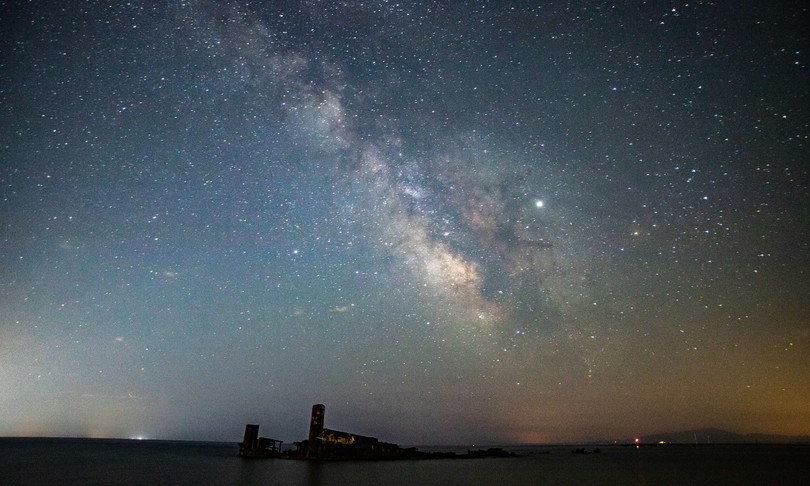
{"points": [[450, 223]]}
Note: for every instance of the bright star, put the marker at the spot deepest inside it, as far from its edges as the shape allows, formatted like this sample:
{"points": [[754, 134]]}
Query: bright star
{"points": [[539, 203]]}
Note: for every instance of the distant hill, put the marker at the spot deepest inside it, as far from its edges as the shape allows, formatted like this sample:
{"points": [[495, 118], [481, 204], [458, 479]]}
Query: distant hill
{"points": [[719, 436]]}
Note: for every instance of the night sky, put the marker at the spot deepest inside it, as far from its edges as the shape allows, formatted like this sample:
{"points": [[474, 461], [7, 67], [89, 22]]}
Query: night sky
{"points": [[449, 222]]}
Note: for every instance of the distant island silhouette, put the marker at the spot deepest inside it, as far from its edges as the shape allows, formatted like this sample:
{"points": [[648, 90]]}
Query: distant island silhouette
{"points": [[715, 436]]}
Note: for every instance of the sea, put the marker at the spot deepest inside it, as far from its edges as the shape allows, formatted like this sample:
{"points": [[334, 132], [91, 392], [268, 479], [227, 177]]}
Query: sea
{"points": [[42, 461]]}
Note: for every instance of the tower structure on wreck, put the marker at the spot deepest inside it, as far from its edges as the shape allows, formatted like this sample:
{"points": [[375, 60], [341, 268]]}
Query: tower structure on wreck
{"points": [[316, 430]]}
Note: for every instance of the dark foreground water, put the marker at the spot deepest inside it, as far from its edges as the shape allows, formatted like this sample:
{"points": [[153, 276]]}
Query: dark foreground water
{"points": [[87, 461]]}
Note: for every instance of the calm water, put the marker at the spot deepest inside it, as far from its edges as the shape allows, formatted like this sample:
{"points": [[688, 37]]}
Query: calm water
{"points": [[86, 461]]}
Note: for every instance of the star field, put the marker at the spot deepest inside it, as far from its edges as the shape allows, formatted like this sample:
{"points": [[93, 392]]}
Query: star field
{"points": [[449, 222]]}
